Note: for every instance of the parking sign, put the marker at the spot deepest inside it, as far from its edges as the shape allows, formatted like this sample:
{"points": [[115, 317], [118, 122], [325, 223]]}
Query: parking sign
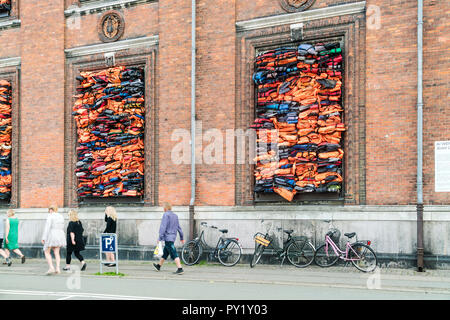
{"points": [[108, 244]]}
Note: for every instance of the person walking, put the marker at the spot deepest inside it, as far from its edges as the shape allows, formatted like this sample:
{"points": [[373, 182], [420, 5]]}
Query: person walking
{"points": [[111, 227], [168, 233], [53, 238], [12, 236], [75, 242], [2, 236]]}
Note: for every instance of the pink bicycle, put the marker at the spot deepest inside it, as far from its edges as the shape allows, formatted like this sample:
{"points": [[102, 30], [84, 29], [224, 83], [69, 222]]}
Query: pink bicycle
{"points": [[359, 253]]}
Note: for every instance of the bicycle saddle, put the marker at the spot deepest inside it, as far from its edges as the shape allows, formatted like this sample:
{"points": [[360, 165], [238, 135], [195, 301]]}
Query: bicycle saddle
{"points": [[350, 235], [288, 231], [223, 230]]}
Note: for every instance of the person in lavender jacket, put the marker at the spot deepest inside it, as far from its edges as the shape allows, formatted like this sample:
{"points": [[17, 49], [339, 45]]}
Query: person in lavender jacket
{"points": [[168, 233]]}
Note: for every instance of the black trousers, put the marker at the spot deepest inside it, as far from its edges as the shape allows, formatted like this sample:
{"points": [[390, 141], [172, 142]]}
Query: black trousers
{"points": [[69, 256]]}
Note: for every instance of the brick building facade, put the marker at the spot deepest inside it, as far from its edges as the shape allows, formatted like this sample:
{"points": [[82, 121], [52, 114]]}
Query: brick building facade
{"points": [[46, 44]]}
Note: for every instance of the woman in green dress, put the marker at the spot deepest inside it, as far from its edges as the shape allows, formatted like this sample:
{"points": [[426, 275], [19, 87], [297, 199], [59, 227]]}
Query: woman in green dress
{"points": [[12, 235]]}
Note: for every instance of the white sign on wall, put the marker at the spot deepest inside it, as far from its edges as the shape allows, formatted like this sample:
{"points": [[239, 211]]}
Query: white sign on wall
{"points": [[442, 166]]}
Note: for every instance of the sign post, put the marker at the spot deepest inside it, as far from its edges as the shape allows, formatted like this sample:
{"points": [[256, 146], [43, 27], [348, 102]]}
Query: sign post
{"points": [[108, 244]]}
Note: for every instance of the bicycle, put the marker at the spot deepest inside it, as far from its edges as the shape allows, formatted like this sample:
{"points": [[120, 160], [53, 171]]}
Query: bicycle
{"points": [[297, 249], [359, 253], [228, 250]]}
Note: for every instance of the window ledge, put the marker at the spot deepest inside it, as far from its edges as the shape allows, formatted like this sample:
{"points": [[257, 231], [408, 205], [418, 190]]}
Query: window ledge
{"points": [[8, 23]]}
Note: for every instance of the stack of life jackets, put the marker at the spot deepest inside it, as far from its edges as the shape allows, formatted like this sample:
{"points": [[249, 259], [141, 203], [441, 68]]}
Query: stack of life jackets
{"points": [[5, 6], [110, 116], [5, 140], [299, 120]]}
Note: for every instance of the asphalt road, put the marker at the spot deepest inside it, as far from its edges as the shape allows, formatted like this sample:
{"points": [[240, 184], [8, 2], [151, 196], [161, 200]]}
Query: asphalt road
{"points": [[31, 287], [213, 282]]}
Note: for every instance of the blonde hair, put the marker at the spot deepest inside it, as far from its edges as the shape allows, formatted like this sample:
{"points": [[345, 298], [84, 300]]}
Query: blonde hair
{"points": [[167, 206], [10, 212], [53, 207], [111, 212], [73, 215]]}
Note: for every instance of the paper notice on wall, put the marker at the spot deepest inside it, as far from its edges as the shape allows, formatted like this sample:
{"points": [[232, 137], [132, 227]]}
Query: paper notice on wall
{"points": [[442, 166]]}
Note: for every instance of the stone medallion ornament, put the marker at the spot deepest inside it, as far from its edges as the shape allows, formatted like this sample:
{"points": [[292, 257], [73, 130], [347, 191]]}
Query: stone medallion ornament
{"points": [[296, 5], [111, 26]]}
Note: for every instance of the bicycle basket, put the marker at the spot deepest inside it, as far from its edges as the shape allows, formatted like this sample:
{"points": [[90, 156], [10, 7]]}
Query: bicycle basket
{"points": [[334, 234], [261, 239]]}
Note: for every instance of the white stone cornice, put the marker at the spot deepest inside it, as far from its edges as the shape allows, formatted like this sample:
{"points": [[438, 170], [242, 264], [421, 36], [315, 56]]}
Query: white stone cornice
{"points": [[304, 16], [111, 46], [89, 7], [10, 62]]}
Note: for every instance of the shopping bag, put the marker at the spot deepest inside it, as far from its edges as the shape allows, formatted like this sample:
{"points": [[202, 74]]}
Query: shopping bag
{"points": [[158, 250]]}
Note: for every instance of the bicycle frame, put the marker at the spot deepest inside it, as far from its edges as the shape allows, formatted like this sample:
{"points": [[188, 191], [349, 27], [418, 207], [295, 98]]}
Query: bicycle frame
{"points": [[207, 248], [338, 252], [278, 250]]}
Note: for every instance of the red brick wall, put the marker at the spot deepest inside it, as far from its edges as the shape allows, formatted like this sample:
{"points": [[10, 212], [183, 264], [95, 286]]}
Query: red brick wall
{"points": [[11, 41], [42, 104], [391, 104], [215, 103], [139, 20], [392, 94], [436, 91], [174, 91], [390, 107], [246, 10]]}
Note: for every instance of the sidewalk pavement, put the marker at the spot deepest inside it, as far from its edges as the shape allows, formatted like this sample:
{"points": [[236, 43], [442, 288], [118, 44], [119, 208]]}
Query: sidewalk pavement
{"points": [[337, 276]]}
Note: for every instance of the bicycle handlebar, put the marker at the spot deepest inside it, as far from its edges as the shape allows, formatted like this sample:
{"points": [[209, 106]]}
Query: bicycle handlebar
{"points": [[204, 224]]}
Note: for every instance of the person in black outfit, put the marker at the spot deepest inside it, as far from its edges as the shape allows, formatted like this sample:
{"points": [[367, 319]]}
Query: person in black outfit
{"points": [[111, 226], [75, 240]]}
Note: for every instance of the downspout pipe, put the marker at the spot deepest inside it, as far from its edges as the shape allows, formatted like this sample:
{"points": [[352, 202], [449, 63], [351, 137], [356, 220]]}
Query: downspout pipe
{"points": [[193, 111], [420, 248]]}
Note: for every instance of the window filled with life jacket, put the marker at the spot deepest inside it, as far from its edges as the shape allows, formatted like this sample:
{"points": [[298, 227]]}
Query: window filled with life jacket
{"points": [[5, 140], [299, 120], [110, 118], [5, 7]]}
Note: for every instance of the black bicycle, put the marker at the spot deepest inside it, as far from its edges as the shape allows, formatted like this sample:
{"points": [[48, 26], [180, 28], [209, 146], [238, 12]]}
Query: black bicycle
{"points": [[228, 250], [297, 249]]}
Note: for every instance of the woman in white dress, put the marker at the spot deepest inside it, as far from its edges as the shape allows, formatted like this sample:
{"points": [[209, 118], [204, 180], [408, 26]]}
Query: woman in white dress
{"points": [[53, 238]]}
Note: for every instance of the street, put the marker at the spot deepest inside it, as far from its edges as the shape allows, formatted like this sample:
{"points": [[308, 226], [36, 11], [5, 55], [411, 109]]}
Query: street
{"points": [[139, 281]]}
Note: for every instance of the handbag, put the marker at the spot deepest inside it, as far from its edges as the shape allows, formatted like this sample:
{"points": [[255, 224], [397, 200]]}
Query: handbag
{"points": [[158, 250], [85, 238]]}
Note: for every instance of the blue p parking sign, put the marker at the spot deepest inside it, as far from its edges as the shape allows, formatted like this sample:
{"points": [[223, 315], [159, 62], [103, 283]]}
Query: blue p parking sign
{"points": [[108, 244]]}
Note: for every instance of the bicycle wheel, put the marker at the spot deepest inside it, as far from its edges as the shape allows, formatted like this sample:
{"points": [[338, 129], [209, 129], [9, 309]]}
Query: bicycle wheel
{"points": [[363, 257], [300, 253], [191, 252], [230, 254], [257, 255], [325, 257]]}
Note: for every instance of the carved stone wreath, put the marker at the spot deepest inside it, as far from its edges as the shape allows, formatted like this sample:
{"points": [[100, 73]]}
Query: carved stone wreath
{"points": [[296, 5], [111, 26]]}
